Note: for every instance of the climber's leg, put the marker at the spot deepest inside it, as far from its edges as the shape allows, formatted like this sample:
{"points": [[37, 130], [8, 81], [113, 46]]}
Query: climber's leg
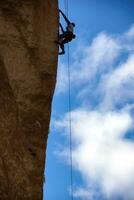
{"points": [[62, 48]]}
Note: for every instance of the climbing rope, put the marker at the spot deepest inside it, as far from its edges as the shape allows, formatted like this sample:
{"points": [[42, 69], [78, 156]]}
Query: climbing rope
{"points": [[69, 109], [70, 125], [66, 6]]}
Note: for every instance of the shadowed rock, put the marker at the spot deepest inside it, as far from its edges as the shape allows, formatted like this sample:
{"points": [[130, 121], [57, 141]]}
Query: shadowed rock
{"points": [[28, 62]]}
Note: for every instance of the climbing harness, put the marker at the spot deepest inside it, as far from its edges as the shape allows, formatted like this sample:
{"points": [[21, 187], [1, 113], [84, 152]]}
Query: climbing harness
{"points": [[69, 109]]}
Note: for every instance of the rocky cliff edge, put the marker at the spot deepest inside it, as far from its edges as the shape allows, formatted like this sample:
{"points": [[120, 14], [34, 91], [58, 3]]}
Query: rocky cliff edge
{"points": [[28, 62]]}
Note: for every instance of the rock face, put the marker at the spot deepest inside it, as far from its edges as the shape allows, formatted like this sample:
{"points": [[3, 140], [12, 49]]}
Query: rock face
{"points": [[28, 62]]}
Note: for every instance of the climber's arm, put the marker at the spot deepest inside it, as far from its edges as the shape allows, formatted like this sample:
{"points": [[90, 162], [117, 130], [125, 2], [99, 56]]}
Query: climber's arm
{"points": [[66, 19]]}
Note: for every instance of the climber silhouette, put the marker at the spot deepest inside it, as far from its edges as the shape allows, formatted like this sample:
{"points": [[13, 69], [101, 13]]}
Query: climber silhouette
{"points": [[65, 36]]}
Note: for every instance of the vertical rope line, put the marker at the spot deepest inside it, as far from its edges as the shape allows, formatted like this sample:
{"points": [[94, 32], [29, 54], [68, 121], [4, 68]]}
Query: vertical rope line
{"points": [[69, 108], [65, 3], [67, 8], [70, 125]]}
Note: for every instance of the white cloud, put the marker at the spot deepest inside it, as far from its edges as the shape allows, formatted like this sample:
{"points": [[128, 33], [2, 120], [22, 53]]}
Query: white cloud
{"points": [[102, 52], [130, 33], [83, 194], [118, 83], [101, 153]]}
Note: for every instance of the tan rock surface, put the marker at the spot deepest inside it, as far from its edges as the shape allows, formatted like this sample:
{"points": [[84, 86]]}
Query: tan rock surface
{"points": [[28, 62]]}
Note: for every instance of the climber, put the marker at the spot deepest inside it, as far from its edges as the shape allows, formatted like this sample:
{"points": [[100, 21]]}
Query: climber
{"points": [[65, 36], [70, 25]]}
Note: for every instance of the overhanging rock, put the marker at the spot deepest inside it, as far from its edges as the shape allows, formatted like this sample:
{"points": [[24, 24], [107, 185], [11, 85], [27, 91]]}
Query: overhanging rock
{"points": [[28, 64]]}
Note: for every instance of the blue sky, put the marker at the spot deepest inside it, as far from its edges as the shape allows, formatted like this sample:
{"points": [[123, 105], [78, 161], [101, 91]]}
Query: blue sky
{"points": [[102, 73]]}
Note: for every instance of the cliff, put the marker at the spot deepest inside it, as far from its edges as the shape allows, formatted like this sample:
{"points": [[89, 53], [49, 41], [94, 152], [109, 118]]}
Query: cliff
{"points": [[28, 62]]}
